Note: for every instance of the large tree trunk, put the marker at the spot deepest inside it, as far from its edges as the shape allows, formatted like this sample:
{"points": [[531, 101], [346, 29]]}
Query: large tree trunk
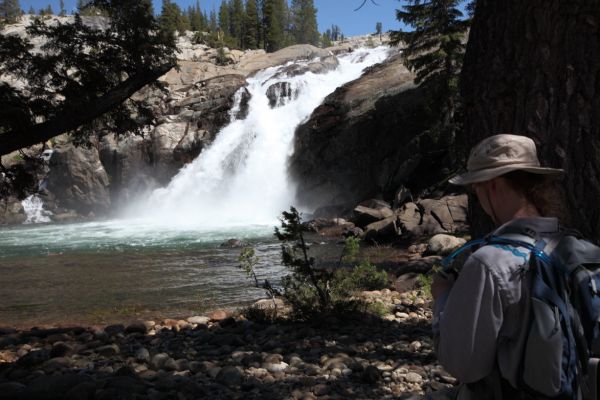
{"points": [[533, 68]]}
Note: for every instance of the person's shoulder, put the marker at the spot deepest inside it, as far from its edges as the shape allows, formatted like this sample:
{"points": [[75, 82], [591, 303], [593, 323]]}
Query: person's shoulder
{"points": [[493, 255]]}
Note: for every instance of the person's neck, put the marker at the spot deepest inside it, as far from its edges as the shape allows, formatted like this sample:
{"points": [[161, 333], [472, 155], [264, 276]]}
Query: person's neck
{"points": [[524, 210]]}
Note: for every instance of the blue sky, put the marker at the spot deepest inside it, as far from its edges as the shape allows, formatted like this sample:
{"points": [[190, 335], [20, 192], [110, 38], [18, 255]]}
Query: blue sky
{"points": [[339, 12]]}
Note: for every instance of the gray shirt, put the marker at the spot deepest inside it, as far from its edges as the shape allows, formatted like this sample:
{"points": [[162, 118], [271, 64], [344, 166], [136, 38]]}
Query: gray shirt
{"points": [[480, 325]]}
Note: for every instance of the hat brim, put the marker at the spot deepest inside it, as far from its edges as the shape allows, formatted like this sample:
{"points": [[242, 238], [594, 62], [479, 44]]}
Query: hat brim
{"points": [[484, 175]]}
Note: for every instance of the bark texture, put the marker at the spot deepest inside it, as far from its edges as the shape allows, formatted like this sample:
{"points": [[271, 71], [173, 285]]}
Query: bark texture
{"points": [[533, 68]]}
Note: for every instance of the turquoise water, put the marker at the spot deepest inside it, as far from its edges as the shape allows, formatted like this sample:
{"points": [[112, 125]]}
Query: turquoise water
{"points": [[100, 272]]}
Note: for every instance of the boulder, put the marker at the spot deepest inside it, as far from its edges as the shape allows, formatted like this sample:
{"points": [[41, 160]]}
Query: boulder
{"points": [[11, 211], [450, 212], [364, 139], [280, 93], [252, 62], [442, 244], [78, 180], [364, 216], [382, 231]]}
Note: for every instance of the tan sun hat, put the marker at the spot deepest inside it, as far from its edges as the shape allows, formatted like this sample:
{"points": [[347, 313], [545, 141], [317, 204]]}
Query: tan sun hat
{"points": [[500, 154]]}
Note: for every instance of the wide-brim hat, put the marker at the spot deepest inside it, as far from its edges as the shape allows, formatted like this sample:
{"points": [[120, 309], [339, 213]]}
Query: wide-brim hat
{"points": [[500, 154]]}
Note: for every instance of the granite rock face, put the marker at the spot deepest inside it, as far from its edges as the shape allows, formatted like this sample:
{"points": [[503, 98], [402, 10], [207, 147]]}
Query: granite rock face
{"points": [[365, 140]]}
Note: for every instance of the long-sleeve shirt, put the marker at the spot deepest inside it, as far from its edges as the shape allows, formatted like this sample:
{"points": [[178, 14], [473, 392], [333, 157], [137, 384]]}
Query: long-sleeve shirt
{"points": [[481, 324]]}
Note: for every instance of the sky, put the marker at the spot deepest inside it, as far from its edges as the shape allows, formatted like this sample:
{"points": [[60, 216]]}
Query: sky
{"points": [[338, 12]]}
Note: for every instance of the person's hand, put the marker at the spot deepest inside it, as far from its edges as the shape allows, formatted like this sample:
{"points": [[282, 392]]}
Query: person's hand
{"points": [[440, 284]]}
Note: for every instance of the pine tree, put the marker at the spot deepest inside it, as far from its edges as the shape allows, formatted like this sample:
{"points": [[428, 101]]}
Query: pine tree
{"points": [[237, 21], [86, 8], [224, 18], [251, 25], [10, 11], [196, 18], [304, 22], [49, 10], [31, 10], [326, 39], [213, 25], [274, 24], [434, 50], [171, 18], [63, 12], [378, 29]]}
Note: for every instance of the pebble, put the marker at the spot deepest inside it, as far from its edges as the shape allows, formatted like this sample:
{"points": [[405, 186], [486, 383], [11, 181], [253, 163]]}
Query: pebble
{"points": [[223, 356]]}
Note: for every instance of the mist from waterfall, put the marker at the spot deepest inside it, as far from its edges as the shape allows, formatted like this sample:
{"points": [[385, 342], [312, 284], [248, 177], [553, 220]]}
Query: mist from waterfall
{"points": [[241, 178]]}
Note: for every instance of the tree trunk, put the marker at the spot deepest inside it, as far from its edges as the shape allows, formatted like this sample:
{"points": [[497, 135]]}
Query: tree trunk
{"points": [[533, 68]]}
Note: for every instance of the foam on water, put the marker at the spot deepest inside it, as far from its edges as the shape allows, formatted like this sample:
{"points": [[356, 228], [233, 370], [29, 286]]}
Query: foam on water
{"points": [[242, 179]]}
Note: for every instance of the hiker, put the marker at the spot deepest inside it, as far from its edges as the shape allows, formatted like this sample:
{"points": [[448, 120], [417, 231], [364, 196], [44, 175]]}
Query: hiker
{"points": [[480, 318]]}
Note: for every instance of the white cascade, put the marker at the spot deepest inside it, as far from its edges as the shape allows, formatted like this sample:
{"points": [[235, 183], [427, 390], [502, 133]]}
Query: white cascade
{"points": [[241, 178], [34, 210]]}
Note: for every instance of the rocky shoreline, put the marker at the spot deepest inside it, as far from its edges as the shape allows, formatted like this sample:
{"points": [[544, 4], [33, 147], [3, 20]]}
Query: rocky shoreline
{"points": [[227, 356]]}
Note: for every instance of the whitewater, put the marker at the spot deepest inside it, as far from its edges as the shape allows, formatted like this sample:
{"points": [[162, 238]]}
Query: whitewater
{"points": [[163, 256], [242, 178]]}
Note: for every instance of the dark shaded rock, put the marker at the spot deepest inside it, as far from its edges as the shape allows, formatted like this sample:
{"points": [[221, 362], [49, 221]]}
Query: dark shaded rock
{"points": [[60, 350], [78, 180], [112, 330], [137, 327], [230, 376], [11, 390], [407, 282], [83, 391], [281, 93], [365, 139], [371, 375], [382, 231], [364, 216], [33, 358], [234, 243], [108, 350], [53, 387]]}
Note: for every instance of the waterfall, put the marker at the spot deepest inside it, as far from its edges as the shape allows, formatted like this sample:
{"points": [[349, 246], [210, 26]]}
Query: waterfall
{"points": [[34, 209], [241, 178]]}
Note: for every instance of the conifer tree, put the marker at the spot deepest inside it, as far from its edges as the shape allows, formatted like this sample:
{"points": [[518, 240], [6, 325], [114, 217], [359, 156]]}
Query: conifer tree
{"points": [[224, 18], [251, 25], [378, 29], [10, 11], [213, 25], [31, 10], [274, 24], [434, 50], [237, 21], [172, 19], [63, 12], [304, 22]]}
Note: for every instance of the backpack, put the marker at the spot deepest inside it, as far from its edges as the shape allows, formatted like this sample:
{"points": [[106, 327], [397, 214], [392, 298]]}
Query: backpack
{"points": [[561, 355]]}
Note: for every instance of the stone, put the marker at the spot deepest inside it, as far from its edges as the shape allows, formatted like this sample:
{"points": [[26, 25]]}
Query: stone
{"points": [[382, 231], [229, 376], [198, 320], [321, 389], [108, 350], [78, 180], [275, 366], [218, 315], [137, 327], [442, 244], [371, 374], [60, 350], [413, 377], [159, 360], [364, 216], [142, 355], [113, 330]]}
